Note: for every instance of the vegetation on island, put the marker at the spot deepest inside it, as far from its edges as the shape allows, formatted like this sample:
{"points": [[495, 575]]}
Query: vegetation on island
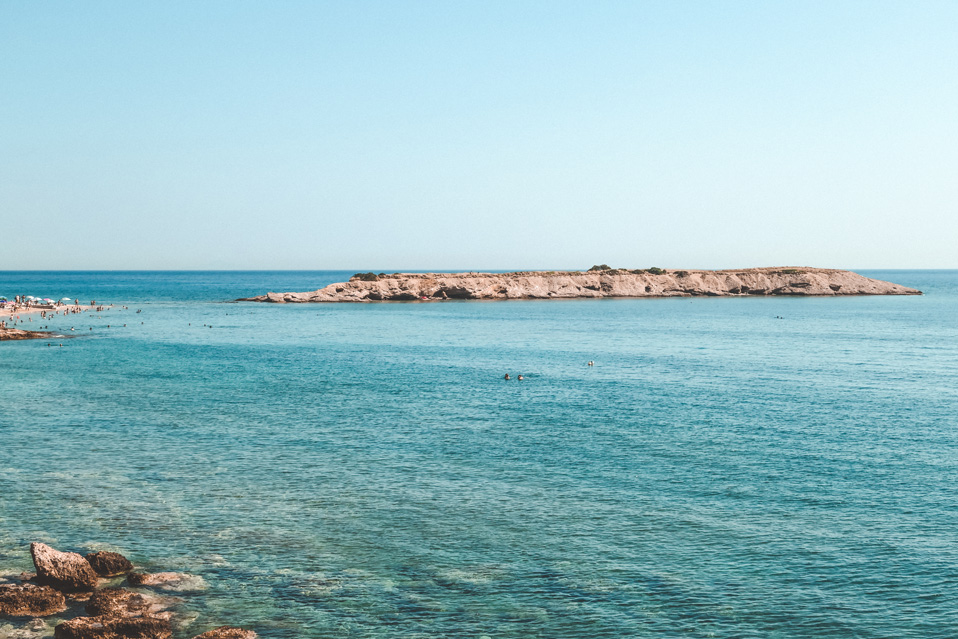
{"points": [[655, 270]]}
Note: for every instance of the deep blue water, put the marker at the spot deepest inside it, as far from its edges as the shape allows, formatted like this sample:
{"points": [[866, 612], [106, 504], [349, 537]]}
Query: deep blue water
{"points": [[365, 471]]}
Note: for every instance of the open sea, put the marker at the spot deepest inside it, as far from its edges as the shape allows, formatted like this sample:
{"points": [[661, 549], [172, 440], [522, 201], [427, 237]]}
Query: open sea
{"points": [[751, 467]]}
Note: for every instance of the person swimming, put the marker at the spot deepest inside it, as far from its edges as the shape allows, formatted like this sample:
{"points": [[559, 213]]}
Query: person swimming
{"points": [[520, 378], [507, 376]]}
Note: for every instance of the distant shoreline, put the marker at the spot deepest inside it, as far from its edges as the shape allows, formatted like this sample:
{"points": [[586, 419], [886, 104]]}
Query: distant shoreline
{"points": [[597, 282]]}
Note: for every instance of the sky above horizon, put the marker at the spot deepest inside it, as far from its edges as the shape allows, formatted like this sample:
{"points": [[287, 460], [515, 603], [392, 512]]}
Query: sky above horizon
{"points": [[478, 135]]}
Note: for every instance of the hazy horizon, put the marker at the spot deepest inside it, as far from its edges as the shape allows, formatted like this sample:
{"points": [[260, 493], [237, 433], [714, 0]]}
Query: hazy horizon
{"points": [[447, 270]]}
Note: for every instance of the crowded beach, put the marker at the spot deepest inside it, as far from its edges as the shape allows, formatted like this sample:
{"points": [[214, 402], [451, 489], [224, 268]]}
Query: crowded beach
{"points": [[19, 313]]}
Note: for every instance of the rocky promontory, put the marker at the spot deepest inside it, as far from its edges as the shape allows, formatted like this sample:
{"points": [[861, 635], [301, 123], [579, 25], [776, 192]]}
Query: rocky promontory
{"points": [[8, 333], [599, 281]]}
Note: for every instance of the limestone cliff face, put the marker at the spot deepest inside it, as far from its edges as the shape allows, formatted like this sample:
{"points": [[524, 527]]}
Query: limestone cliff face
{"points": [[609, 283]]}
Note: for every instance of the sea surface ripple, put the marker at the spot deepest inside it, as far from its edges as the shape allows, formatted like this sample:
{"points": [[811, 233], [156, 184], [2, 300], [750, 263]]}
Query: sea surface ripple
{"points": [[770, 467]]}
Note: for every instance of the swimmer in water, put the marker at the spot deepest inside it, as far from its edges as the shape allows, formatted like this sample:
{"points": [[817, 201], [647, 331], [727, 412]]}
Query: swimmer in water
{"points": [[507, 376], [520, 378]]}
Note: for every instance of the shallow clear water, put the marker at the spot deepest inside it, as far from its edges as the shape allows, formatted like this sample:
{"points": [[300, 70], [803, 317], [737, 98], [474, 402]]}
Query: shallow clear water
{"points": [[365, 471]]}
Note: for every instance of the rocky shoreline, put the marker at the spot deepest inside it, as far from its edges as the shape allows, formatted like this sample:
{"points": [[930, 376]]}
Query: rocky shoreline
{"points": [[77, 589], [18, 333], [597, 282]]}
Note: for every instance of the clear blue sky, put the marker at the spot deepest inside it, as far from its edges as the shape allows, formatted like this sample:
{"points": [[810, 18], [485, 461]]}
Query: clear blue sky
{"points": [[465, 135]]}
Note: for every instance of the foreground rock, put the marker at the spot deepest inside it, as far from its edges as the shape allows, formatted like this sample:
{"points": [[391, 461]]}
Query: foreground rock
{"points": [[68, 580], [29, 600], [109, 564], [120, 602], [114, 628], [65, 571], [227, 632], [593, 284]]}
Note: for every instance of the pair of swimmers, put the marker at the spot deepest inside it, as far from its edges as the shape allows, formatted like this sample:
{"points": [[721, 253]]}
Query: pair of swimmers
{"points": [[520, 377]]}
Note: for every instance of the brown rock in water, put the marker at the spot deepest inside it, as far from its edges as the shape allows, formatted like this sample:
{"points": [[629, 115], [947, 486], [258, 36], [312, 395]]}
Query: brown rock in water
{"points": [[120, 602], [66, 571], [138, 578], [227, 632], [116, 602], [28, 600], [166, 580], [114, 628], [109, 564]]}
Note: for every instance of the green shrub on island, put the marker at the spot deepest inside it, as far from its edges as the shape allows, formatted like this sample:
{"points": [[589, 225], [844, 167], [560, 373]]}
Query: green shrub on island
{"points": [[600, 267], [682, 273], [365, 277], [655, 270]]}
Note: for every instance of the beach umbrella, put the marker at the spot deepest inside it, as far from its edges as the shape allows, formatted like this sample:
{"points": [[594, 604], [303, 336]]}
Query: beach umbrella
{"points": [[66, 299]]}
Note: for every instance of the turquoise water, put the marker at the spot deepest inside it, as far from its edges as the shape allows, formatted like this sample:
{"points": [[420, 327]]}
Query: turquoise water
{"points": [[365, 471]]}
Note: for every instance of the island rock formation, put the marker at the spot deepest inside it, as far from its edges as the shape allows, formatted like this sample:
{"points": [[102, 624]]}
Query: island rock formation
{"points": [[595, 283]]}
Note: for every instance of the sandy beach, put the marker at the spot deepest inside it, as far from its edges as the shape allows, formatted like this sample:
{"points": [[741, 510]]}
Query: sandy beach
{"points": [[26, 321]]}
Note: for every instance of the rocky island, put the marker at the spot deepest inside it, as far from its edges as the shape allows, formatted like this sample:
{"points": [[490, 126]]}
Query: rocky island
{"points": [[599, 281]]}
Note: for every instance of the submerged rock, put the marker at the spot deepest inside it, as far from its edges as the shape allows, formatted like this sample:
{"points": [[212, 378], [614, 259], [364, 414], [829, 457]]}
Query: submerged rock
{"points": [[34, 629], [120, 602], [167, 580], [114, 628], [29, 600], [66, 571], [116, 602], [109, 564], [227, 632]]}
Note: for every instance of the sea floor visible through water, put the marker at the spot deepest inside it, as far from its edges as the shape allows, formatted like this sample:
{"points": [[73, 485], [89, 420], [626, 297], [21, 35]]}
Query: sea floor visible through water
{"points": [[745, 467]]}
